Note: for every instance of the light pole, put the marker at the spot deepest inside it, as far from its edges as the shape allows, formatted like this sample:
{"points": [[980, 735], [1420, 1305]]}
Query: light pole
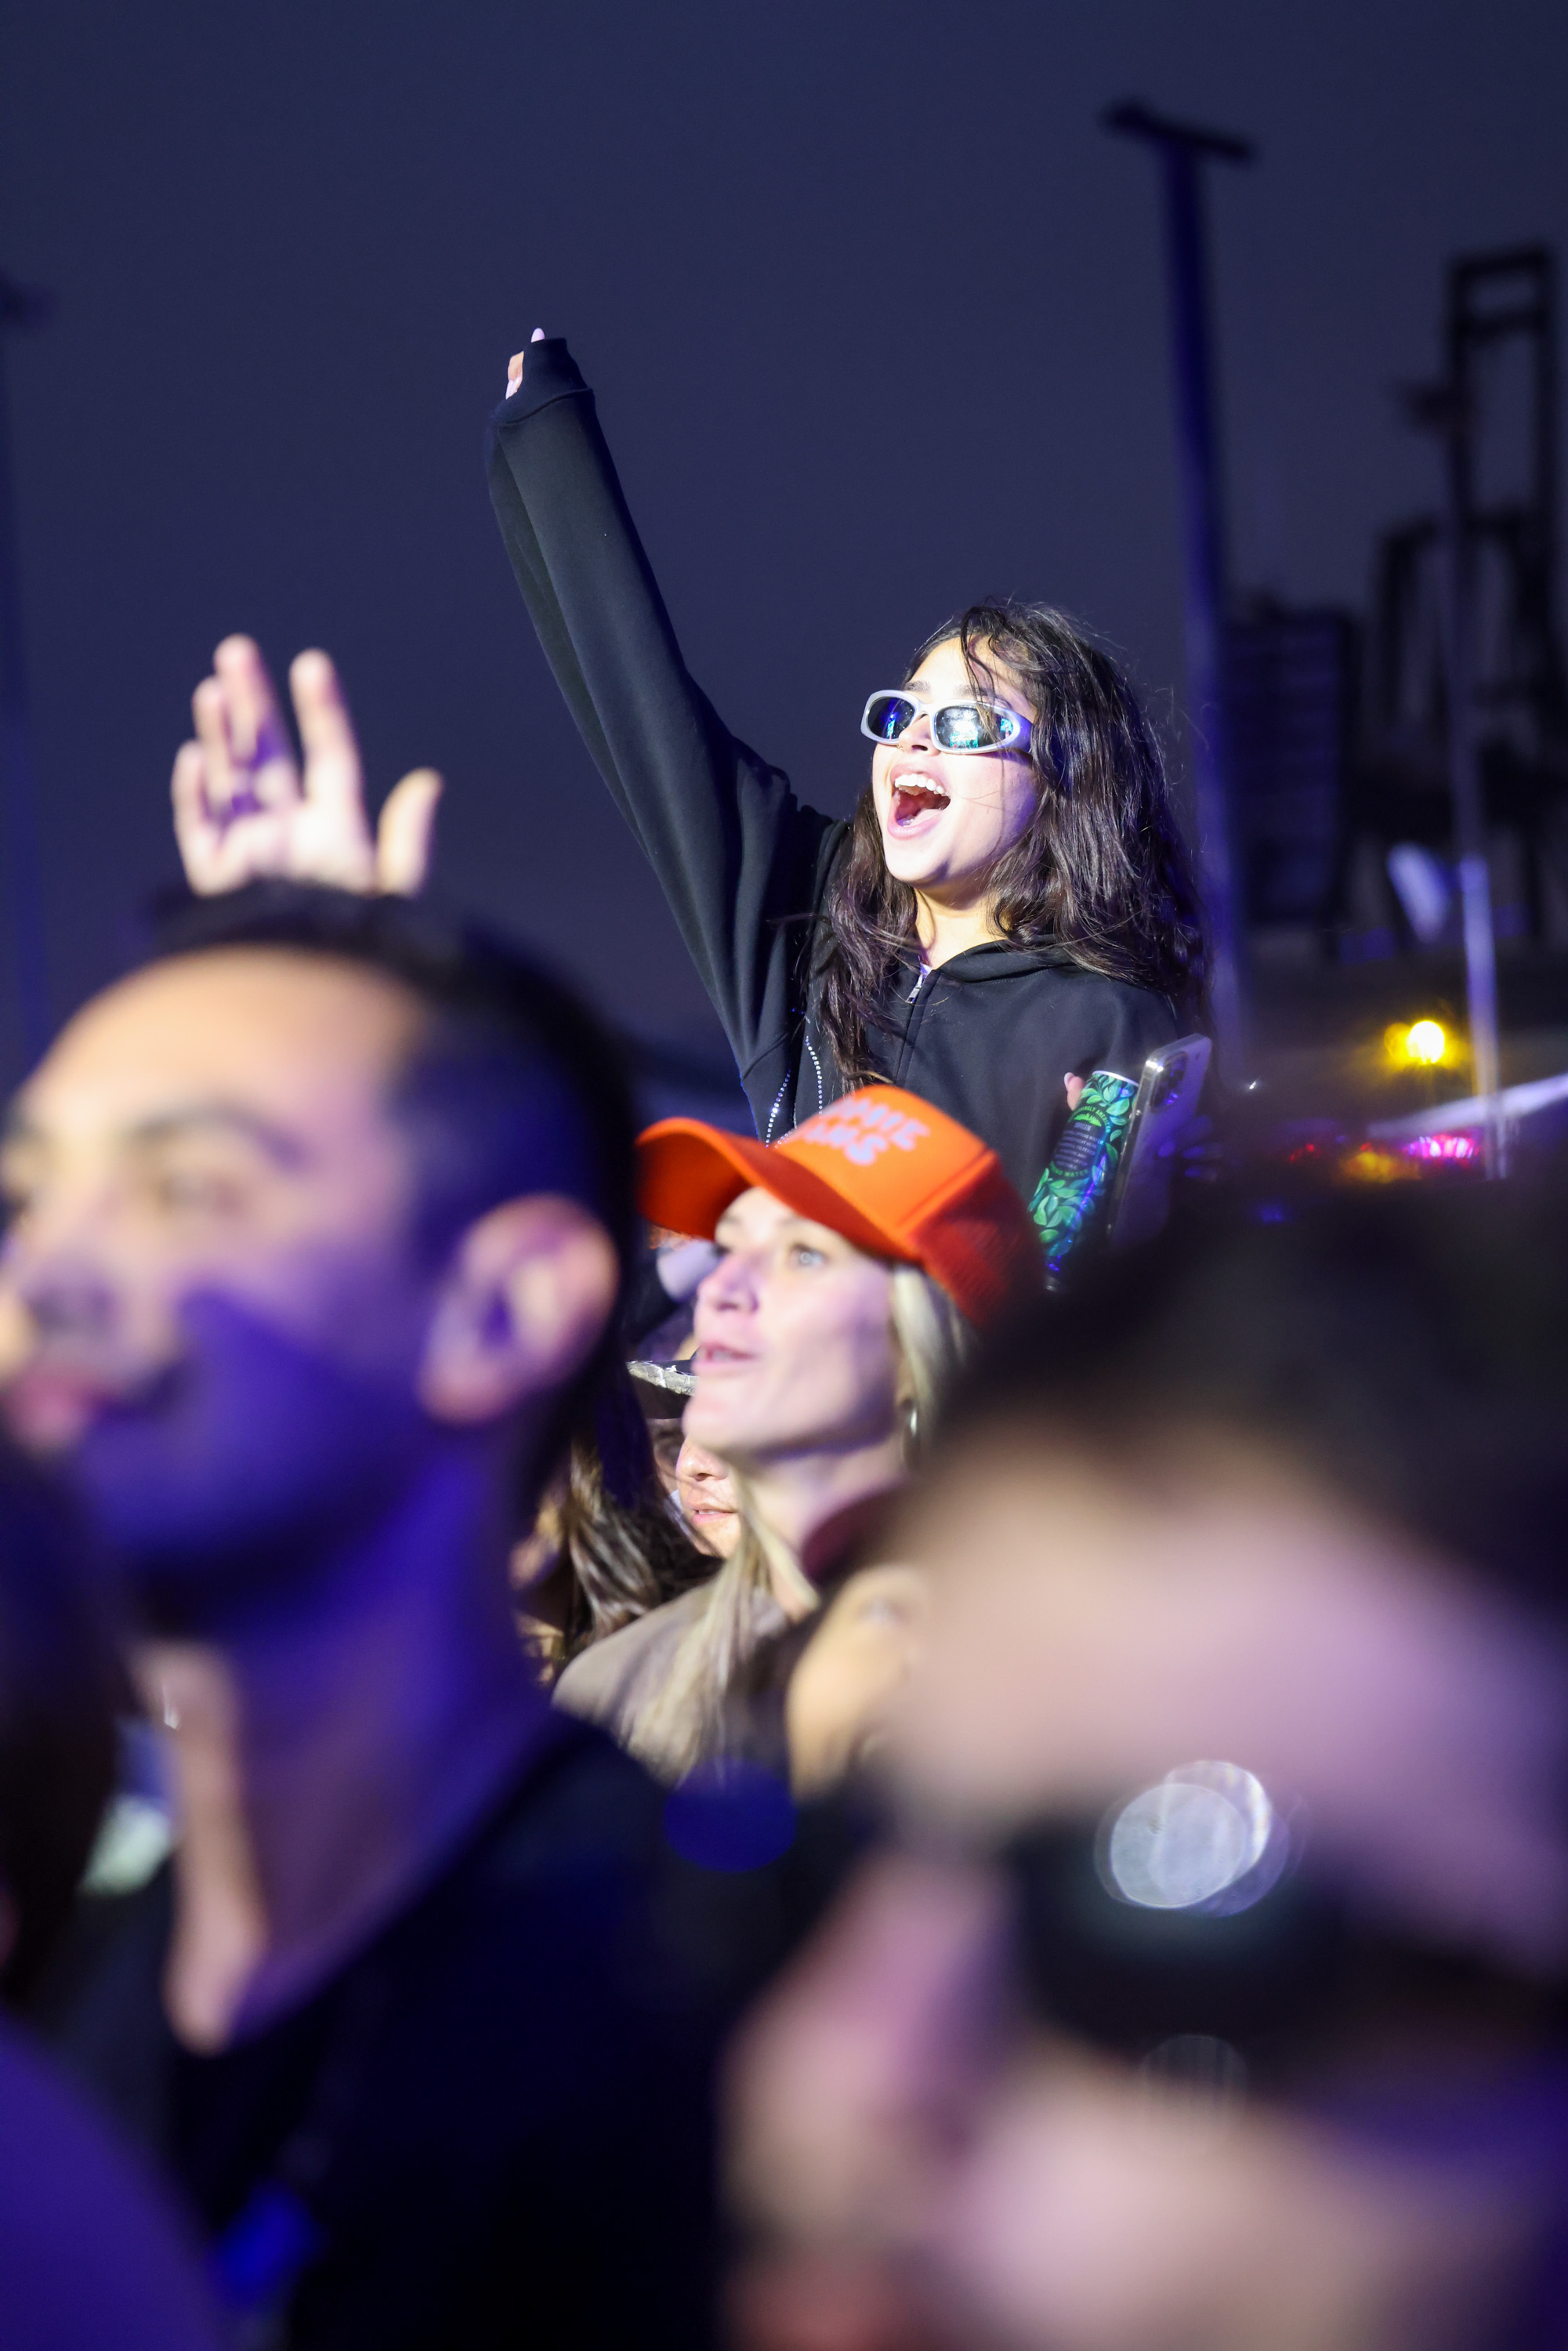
{"points": [[1447, 408], [1183, 151]]}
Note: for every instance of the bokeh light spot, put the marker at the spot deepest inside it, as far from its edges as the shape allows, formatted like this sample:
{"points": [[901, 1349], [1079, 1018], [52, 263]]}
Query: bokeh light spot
{"points": [[1197, 1833], [1421, 1044], [1455, 1147]]}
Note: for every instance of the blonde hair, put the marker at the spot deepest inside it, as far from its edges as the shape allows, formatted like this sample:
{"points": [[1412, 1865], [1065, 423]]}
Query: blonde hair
{"points": [[685, 1720]]}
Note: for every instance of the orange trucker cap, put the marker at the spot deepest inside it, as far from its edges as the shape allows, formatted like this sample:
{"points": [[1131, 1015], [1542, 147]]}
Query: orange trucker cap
{"points": [[894, 1176]]}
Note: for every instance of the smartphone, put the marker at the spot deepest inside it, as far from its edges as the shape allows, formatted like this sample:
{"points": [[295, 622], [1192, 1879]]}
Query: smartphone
{"points": [[1166, 1102]]}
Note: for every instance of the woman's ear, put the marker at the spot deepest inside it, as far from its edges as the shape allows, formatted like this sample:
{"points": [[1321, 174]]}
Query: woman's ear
{"points": [[524, 1303]]}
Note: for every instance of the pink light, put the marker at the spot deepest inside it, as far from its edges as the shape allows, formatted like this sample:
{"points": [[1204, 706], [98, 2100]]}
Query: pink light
{"points": [[1441, 1146]]}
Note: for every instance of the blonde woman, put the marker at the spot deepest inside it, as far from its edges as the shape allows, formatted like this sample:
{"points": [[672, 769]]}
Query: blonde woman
{"points": [[858, 1256]]}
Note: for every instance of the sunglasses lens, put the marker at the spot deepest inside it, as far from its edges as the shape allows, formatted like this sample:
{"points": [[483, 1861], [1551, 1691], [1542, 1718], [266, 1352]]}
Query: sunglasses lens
{"points": [[1131, 1977], [887, 716], [973, 726]]}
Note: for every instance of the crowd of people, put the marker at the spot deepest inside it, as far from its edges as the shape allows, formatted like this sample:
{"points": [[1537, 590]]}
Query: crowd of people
{"points": [[764, 1740]]}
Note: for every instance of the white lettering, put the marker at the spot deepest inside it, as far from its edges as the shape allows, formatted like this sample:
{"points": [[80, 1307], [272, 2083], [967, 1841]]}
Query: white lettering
{"points": [[864, 1133]]}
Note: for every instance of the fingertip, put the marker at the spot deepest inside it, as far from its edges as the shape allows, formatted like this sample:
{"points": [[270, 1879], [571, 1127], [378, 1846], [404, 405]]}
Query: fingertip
{"points": [[236, 648], [418, 792], [406, 834], [209, 706], [313, 670], [538, 336]]}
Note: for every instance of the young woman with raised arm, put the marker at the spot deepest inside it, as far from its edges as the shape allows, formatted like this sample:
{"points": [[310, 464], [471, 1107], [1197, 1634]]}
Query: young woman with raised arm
{"points": [[1011, 906]]}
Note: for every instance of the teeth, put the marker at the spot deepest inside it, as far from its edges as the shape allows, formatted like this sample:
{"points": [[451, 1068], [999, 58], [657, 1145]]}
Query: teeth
{"points": [[923, 795]]}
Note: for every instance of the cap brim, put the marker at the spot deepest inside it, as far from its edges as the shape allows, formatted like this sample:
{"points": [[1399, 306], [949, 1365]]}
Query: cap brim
{"points": [[662, 1389], [687, 1174]]}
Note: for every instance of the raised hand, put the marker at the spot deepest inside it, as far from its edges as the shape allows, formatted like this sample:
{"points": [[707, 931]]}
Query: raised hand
{"points": [[245, 808], [514, 364]]}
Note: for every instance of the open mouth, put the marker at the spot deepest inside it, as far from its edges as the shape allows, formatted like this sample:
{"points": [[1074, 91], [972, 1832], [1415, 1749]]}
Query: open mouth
{"points": [[47, 1409], [50, 1404], [918, 801]]}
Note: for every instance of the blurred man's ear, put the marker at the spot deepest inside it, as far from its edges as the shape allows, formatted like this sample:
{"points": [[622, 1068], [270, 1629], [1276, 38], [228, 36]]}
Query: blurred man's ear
{"points": [[523, 1305]]}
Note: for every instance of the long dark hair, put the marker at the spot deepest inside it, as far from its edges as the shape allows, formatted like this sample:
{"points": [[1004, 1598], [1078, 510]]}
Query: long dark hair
{"points": [[625, 1552], [1100, 873]]}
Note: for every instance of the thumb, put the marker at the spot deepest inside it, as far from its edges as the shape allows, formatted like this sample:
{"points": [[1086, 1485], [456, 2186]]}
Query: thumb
{"points": [[404, 836]]}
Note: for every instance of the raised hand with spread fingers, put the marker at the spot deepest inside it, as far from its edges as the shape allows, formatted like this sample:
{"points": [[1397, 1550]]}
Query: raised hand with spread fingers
{"points": [[244, 806]]}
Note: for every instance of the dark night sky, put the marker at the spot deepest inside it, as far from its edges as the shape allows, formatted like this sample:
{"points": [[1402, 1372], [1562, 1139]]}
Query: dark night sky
{"points": [[872, 305]]}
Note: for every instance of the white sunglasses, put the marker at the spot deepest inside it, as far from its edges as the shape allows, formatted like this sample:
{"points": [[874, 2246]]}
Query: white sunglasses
{"points": [[975, 727]]}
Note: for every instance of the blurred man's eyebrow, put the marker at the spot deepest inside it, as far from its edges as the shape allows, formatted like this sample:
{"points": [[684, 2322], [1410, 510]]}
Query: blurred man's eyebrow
{"points": [[225, 1118]]}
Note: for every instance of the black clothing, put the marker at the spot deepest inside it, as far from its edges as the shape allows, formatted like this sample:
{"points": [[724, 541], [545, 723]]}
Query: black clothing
{"points": [[491, 2127], [91, 2254], [987, 1037]]}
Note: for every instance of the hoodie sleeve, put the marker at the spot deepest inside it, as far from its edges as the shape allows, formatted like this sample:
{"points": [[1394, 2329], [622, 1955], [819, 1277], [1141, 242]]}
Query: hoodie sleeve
{"points": [[1118, 1027], [735, 852]]}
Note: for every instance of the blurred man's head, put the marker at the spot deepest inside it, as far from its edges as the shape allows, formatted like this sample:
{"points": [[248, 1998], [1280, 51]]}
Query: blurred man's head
{"points": [[1221, 2000], [320, 1193]]}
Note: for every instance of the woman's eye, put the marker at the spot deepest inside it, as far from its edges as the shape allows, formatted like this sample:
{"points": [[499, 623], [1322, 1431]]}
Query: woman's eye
{"points": [[802, 1253]]}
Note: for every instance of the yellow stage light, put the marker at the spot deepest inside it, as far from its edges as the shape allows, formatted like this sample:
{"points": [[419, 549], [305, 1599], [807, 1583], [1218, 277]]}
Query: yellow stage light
{"points": [[1423, 1044]]}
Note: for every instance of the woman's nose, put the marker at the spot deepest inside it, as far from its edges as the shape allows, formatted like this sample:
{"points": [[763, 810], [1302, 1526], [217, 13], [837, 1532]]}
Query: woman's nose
{"points": [[729, 1285]]}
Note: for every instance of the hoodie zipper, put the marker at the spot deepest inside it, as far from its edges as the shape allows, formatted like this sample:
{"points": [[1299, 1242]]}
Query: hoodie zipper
{"points": [[914, 1005]]}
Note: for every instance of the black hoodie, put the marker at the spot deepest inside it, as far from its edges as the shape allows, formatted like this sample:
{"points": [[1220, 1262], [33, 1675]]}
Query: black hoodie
{"points": [[989, 1037]]}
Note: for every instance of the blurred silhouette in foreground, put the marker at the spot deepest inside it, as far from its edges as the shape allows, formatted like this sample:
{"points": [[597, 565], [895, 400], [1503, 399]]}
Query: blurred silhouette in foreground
{"points": [[89, 2254], [318, 1221], [1210, 1985]]}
